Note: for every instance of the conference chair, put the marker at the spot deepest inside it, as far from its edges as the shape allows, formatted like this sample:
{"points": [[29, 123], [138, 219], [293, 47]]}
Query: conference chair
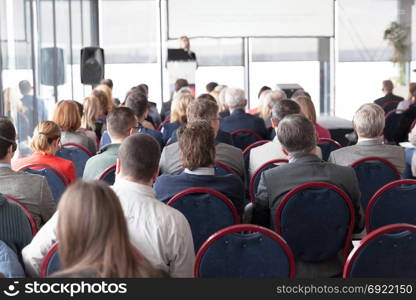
{"points": [[76, 153], [51, 263], [407, 174], [206, 210], [392, 123], [387, 252], [327, 145], [27, 213], [56, 180], [167, 120], [393, 203], [389, 106], [373, 173], [243, 138], [245, 251], [316, 219], [246, 152], [255, 179], [109, 175], [223, 169]]}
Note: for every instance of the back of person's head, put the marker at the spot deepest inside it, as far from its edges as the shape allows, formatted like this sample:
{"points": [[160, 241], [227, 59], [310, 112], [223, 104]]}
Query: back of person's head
{"points": [[300, 92], [180, 83], [235, 98], [267, 100], [25, 87], [106, 104], [180, 103], [211, 86], [138, 103], [296, 133], [388, 86], [196, 144], [107, 82], [91, 108], [139, 156], [263, 89], [203, 108], [412, 90], [7, 136], [369, 121], [284, 108], [67, 115], [93, 234], [44, 135], [307, 108], [144, 89], [120, 121]]}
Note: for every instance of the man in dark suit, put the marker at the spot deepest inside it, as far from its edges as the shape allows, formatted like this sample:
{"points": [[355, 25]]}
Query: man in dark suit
{"points": [[296, 135], [235, 101], [388, 94], [197, 151]]}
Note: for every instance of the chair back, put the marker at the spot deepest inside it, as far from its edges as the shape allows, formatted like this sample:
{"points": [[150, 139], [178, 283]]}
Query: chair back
{"points": [[391, 126], [328, 145], [372, 174], [56, 180], [109, 175], [255, 179], [27, 213], [387, 252], [206, 210], [166, 120], [222, 169], [389, 106], [243, 138], [246, 152], [407, 174], [51, 263], [245, 251], [316, 219], [76, 153], [393, 203]]}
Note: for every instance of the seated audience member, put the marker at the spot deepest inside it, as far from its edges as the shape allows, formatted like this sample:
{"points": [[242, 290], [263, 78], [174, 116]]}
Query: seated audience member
{"points": [[153, 116], [211, 86], [197, 152], [121, 122], [166, 106], [387, 89], [268, 99], [138, 103], [235, 101], [297, 137], [218, 93], [10, 266], [412, 140], [368, 123], [273, 150], [106, 104], [406, 119], [29, 189], [405, 104], [178, 113], [109, 83], [308, 110], [89, 121], [67, 117], [93, 236], [45, 144], [263, 91], [15, 230], [231, 156]]}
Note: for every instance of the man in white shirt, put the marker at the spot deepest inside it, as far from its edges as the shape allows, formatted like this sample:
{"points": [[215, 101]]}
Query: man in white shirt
{"points": [[160, 232]]}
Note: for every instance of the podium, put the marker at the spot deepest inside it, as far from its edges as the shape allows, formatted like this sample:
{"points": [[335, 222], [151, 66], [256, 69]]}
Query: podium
{"points": [[181, 64]]}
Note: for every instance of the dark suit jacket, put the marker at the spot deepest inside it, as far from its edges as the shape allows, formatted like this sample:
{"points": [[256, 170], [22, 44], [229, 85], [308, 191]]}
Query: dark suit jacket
{"points": [[239, 119], [405, 121], [167, 186], [388, 97]]}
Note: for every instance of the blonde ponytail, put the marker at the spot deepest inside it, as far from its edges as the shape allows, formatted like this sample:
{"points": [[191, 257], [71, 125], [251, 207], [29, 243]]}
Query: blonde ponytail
{"points": [[44, 134]]}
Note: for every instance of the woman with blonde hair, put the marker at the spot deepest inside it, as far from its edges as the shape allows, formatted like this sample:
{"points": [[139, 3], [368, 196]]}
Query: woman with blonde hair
{"points": [[45, 144], [308, 110], [67, 116], [109, 92], [93, 235], [180, 103], [89, 121], [106, 104]]}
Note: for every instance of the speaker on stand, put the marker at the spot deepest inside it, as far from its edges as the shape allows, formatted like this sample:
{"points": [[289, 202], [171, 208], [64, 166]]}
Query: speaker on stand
{"points": [[92, 65]]}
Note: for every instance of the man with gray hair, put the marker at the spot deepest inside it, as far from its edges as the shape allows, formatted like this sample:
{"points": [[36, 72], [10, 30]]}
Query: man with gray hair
{"points": [[387, 89], [235, 102], [368, 124], [297, 137]]}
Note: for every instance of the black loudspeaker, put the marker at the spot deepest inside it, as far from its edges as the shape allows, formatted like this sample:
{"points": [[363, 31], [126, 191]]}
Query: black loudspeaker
{"points": [[92, 65], [52, 70]]}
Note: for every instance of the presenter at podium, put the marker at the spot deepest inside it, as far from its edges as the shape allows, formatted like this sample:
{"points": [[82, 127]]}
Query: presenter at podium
{"points": [[186, 46]]}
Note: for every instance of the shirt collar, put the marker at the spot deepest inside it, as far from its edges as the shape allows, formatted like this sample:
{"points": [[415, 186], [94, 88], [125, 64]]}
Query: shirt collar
{"points": [[372, 141], [201, 171], [124, 184]]}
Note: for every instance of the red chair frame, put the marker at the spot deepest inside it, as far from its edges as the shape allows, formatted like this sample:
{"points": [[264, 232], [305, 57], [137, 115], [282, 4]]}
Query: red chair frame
{"points": [[78, 146], [254, 145], [368, 238], [45, 166], [202, 190], [257, 172], [47, 259], [393, 111], [166, 120], [345, 197], [376, 158], [256, 135], [106, 171], [238, 229], [378, 194], [226, 168], [328, 140], [27, 213]]}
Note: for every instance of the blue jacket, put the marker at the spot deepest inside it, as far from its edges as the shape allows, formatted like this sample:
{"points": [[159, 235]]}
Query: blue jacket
{"points": [[168, 130], [239, 119], [106, 139], [9, 263]]}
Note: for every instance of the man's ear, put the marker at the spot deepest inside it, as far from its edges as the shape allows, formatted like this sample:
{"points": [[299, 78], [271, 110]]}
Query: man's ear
{"points": [[156, 175], [118, 166]]}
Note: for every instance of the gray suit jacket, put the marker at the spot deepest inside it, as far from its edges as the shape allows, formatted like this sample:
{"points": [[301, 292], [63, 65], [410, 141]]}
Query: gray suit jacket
{"points": [[275, 183], [170, 162], [31, 190], [347, 155]]}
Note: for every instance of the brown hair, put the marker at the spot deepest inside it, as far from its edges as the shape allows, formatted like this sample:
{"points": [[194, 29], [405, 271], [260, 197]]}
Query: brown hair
{"points": [[67, 115], [412, 90], [43, 135], [196, 144], [106, 104], [119, 122], [180, 103], [203, 108], [307, 108], [91, 107], [92, 233]]}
